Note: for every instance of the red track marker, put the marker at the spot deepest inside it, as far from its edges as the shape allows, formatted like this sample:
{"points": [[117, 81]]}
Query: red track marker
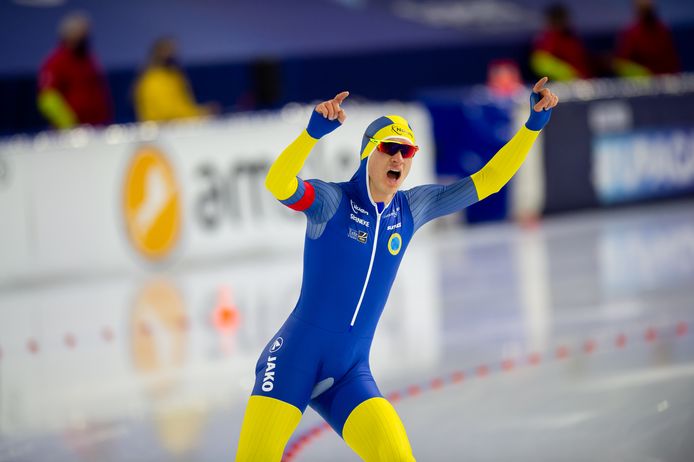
{"points": [[589, 346], [482, 371], [651, 334], [621, 341], [681, 328], [562, 352], [33, 346], [534, 359], [70, 340], [508, 365], [437, 383], [458, 376], [107, 334], [414, 390], [394, 397], [145, 329]]}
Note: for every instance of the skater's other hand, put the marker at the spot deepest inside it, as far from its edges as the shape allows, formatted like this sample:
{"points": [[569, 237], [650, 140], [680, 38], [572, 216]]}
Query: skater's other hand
{"points": [[331, 109], [547, 99]]}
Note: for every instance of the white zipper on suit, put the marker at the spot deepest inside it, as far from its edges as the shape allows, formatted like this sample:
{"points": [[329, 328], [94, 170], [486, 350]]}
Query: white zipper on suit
{"points": [[368, 272], [373, 250]]}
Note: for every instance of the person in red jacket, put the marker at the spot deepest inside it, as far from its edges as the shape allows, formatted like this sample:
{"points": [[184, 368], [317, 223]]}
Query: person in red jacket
{"points": [[72, 86], [646, 47], [557, 51]]}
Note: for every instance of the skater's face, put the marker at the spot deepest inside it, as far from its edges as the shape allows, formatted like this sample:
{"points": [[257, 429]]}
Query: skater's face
{"points": [[387, 173]]}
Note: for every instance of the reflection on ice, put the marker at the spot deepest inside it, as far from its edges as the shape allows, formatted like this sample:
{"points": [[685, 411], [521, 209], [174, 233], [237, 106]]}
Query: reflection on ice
{"points": [[160, 365]]}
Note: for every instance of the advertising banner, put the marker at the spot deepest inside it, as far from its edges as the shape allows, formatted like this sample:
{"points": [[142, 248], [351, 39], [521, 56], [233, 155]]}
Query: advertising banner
{"points": [[619, 141], [643, 165], [148, 197]]}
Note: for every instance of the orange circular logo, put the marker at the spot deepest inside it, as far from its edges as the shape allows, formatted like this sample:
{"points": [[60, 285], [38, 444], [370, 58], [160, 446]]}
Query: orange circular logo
{"points": [[159, 334], [151, 203]]}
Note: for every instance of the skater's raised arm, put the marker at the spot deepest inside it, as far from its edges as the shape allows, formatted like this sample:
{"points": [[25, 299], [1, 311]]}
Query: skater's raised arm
{"points": [[499, 170], [432, 201], [282, 180]]}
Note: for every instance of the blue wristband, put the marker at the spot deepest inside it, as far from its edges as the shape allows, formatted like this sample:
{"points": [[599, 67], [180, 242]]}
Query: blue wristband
{"points": [[537, 120], [319, 126]]}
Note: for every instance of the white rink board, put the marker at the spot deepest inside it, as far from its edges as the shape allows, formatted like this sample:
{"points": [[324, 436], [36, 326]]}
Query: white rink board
{"points": [[61, 195]]}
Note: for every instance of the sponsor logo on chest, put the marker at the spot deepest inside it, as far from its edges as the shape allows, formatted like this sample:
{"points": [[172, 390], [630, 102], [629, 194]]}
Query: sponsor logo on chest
{"points": [[361, 221], [356, 208], [361, 236], [392, 214]]}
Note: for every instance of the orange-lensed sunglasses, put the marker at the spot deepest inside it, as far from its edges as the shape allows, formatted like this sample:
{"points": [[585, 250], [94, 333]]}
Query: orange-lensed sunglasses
{"points": [[391, 148]]}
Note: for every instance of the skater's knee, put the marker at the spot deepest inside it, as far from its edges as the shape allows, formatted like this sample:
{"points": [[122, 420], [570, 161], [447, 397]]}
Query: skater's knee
{"points": [[375, 432], [267, 425]]}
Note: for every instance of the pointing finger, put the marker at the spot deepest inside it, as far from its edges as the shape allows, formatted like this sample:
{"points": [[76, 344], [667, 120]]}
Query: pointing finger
{"points": [[340, 97], [540, 83], [341, 116]]}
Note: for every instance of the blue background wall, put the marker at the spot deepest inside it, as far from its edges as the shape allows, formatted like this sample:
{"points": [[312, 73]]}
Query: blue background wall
{"points": [[376, 49]]}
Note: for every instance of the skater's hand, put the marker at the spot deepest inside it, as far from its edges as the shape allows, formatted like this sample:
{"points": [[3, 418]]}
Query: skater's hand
{"points": [[542, 100], [327, 116], [331, 109], [546, 100]]}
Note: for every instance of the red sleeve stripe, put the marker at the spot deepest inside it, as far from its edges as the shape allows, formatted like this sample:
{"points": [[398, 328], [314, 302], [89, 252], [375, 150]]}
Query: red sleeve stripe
{"points": [[307, 199]]}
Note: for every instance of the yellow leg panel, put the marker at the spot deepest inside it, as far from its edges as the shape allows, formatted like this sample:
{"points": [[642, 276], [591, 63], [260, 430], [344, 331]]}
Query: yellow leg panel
{"points": [[267, 426], [374, 431]]}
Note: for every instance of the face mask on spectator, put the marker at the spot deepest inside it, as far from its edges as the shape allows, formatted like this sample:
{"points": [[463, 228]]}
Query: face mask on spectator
{"points": [[81, 47], [171, 62]]}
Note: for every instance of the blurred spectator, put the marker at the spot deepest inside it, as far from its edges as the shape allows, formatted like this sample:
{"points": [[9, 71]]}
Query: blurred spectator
{"points": [[558, 52], [72, 86], [646, 47], [504, 77], [162, 91]]}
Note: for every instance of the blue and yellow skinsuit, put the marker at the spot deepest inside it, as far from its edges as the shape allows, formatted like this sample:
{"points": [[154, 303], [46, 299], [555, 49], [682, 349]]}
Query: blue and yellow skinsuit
{"points": [[353, 247]]}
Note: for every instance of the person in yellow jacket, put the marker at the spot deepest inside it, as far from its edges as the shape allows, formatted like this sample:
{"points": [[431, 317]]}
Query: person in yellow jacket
{"points": [[162, 91]]}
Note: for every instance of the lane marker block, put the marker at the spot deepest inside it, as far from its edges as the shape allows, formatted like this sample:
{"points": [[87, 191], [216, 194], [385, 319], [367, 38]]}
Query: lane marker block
{"points": [[33, 346], [589, 346], [534, 359]]}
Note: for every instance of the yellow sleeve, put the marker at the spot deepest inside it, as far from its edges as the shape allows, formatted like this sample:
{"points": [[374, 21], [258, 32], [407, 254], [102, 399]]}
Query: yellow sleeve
{"points": [[281, 180], [164, 95], [544, 63], [505, 163], [54, 107]]}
